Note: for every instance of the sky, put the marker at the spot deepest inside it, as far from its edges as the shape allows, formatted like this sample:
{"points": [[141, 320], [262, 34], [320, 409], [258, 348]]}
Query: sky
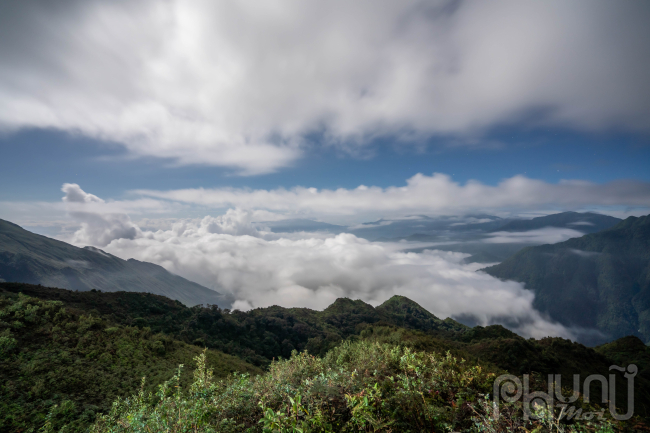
{"points": [[121, 118]]}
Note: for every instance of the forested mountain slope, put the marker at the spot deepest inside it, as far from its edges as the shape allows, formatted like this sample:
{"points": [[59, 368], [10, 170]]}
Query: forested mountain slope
{"points": [[600, 280], [256, 336]]}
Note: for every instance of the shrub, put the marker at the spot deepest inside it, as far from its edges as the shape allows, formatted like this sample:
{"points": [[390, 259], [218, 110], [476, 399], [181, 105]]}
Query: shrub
{"points": [[360, 386]]}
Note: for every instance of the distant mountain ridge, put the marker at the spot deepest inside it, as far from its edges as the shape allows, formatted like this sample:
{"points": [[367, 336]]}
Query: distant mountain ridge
{"points": [[30, 258], [600, 280], [587, 222]]}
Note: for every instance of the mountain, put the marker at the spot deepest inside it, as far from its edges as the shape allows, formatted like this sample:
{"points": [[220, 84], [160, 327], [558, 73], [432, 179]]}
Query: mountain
{"points": [[599, 281], [587, 222], [30, 258], [475, 234], [257, 336], [68, 354]]}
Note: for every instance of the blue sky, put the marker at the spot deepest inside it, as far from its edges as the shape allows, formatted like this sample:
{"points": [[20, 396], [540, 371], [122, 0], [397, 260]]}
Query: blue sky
{"points": [[37, 162], [197, 114]]}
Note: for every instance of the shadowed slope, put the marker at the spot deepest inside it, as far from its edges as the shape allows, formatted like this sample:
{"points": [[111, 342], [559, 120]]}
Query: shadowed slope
{"points": [[30, 258], [600, 280]]}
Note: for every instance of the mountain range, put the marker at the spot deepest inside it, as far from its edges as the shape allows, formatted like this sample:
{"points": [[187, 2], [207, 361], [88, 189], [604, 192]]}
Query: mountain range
{"points": [[597, 281], [67, 355], [476, 235], [586, 222], [30, 258], [422, 228]]}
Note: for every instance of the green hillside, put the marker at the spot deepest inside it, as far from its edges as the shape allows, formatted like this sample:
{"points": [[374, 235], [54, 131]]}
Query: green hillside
{"points": [[599, 281], [30, 258], [82, 350], [257, 336], [74, 363]]}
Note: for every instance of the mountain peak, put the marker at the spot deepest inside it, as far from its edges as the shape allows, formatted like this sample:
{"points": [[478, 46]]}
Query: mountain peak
{"points": [[342, 305], [410, 314]]}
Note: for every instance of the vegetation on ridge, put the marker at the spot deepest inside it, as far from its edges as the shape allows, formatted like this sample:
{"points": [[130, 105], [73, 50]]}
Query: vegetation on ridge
{"points": [[73, 365], [257, 336], [356, 387], [67, 354]]}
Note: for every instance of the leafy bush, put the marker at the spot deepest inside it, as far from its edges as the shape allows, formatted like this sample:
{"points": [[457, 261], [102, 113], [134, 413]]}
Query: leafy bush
{"points": [[356, 387]]}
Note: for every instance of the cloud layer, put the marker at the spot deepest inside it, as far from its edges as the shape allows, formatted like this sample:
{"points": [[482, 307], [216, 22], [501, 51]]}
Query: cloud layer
{"points": [[546, 235], [100, 222], [436, 194], [259, 268], [313, 272], [243, 84]]}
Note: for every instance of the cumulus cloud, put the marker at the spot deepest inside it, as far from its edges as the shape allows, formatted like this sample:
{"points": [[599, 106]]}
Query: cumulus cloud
{"points": [[235, 222], [243, 84], [436, 194], [96, 228], [74, 194], [101, 230]]}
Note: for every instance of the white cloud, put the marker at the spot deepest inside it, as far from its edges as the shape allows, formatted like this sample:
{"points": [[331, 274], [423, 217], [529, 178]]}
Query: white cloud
{"points": [[74, 194], [97, 228], [260, 268], [100, 230], [313, 272], [242, 84], [436, 194], [585, 254], [546, 235], [235, 222]]}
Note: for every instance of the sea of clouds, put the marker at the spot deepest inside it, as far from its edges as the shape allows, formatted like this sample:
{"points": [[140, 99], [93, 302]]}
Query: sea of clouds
{"points": [[259, 268]]}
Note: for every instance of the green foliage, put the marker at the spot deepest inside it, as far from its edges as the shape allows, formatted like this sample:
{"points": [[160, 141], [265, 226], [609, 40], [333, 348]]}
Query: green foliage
{"points": [[64, 360], [628, 350], [62, 368], [7, 343], [256, 336], [356, 387], [498, 350]]}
